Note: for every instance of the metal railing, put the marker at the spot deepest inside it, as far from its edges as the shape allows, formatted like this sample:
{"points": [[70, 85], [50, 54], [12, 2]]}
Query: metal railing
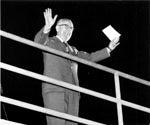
{"points": [[116, 74]]}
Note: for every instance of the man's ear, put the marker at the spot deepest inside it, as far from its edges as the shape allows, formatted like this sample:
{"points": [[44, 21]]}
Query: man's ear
{"points": [[57, 28]]}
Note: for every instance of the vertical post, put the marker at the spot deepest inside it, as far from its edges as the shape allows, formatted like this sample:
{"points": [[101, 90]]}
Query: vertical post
{"points": [[118, 96], [0, 95]]}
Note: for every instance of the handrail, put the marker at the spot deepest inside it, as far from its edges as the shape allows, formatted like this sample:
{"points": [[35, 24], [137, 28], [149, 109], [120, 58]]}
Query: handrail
{"points": [[50, 50], [116, 74], [48, 111], [6, 122], [72, 87], [55, 82]]}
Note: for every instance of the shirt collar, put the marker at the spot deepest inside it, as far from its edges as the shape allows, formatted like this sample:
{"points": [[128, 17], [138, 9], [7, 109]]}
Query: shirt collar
{"points": [[59, 38]]}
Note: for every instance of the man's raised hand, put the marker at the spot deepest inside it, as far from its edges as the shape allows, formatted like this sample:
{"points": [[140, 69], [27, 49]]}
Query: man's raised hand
{"points": [[49, 21], [114, 43]]}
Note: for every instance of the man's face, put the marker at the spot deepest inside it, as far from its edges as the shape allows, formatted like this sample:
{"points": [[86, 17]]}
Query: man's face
{"points": [[65, 32]]}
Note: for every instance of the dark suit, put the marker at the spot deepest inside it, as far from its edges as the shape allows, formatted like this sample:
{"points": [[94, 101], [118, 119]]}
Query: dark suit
{"points": [[62, 69]]}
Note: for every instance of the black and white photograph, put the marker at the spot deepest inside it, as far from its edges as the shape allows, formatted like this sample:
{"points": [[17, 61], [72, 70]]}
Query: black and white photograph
{"points": [[75, 62]]}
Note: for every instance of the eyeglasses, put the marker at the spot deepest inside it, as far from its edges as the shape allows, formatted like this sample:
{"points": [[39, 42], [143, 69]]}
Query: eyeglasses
{"points": [[66, 25]]}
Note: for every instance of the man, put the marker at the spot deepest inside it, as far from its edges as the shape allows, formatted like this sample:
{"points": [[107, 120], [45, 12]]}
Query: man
{"points": [[54, 97]]}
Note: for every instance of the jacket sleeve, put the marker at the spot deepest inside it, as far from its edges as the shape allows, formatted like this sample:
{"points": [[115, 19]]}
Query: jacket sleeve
{"points": [[41, 37], [94, 56]]}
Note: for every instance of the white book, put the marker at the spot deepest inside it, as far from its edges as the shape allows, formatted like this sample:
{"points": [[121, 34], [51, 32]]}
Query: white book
{"points": [[111, 33]]}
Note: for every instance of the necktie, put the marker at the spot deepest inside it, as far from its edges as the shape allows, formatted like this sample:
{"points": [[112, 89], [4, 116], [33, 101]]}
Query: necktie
{"points": [[67, 47], [74, 66]]}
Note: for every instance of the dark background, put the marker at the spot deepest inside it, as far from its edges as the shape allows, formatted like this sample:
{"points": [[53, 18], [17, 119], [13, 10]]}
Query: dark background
{"points": [[132, 56]]}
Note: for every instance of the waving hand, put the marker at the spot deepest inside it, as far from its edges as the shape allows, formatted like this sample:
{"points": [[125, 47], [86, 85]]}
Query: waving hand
{"points": [[49, 21]]}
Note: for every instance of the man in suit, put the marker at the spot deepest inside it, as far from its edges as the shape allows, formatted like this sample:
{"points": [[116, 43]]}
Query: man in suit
{"points": [[54, 97]]}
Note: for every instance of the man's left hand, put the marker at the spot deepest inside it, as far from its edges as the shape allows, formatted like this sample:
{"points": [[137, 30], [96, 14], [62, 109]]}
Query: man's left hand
{"points": [[114, 43]]}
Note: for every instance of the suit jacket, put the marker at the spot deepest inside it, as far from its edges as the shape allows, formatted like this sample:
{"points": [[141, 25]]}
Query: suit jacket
{"points": [[61, 68]]}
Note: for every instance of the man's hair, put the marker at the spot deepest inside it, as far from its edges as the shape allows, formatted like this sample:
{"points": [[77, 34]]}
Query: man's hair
{"points": [[65, 21]]}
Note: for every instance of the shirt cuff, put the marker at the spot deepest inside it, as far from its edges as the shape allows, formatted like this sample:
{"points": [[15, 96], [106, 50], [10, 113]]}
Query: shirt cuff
{"points": [[108, 50], [46, 30]]}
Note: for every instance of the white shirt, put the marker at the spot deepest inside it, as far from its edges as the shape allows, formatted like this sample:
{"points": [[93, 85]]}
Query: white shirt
{"points": [[59, 38]]}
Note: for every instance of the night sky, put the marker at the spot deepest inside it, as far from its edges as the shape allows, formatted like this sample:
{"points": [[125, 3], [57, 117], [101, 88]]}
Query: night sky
{"points": [[132, 56]]}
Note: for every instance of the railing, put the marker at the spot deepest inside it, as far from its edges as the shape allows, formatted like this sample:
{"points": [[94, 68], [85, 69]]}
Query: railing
{"points": [[116, 74]]}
